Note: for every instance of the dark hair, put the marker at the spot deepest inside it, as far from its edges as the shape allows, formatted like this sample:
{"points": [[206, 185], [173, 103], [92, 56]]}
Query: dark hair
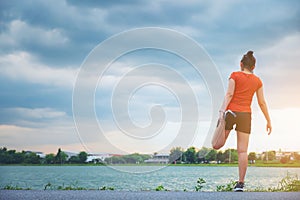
{"points": [[248, 61]]}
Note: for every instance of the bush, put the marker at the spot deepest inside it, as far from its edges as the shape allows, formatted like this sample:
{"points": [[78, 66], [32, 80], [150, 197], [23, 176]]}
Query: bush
{"points": [[160, 188], [199, 185], [226, 188], [290, 183], [285, 159]]}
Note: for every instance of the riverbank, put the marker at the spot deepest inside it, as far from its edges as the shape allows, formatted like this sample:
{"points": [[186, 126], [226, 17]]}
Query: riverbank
{"points": [[111, 195], [257, 164], [295, 164]]}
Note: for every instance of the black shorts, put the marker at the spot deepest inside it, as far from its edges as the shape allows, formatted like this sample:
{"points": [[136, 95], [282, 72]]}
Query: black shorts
{"points": [[242, 120]]}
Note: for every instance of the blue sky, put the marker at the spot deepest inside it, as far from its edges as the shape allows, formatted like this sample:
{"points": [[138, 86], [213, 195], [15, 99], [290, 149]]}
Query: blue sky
{"points": [[44, 43]]}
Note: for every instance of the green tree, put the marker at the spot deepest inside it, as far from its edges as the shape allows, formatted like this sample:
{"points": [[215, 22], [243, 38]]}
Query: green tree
{"points": [[269, 155], [145, 157], [50, 158], [32, 158], [4, 149], [11, 156], [19, 157], [82, 156], [285, 159], [221, 156], [61, 157], [212, 155], [252, 156], [135, 158], [115, 160], [176, 155], [132, 158], [190, 155], [4, 156], [297, 156], [74, 159], [231, 155], [202, 154]]}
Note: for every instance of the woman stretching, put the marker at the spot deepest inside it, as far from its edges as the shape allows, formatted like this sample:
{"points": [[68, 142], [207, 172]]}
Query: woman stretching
{"points": [[241, 88]]}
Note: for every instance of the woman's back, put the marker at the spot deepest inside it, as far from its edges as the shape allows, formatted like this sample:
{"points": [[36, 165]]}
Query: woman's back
{"points": [[245, 86]]}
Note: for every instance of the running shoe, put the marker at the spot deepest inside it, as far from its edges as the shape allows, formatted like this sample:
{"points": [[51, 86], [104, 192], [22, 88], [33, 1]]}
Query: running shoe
{"points": [[239, 187]]}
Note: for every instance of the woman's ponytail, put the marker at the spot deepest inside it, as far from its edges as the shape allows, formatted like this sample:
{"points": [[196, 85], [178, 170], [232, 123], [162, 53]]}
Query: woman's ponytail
{"points": [[248, 61]]}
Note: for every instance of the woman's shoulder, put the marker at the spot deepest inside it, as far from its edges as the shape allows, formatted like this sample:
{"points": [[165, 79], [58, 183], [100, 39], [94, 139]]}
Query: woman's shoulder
{"points": [[235, 74], [258, 80], [256, 77]]}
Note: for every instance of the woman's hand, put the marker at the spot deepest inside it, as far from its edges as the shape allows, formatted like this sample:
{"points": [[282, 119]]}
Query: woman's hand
{"points": [[221, 114], [269, 128]]}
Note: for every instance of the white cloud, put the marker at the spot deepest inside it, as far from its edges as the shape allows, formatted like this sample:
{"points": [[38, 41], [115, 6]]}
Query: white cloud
{"points": [[19, 32], [35, 117], [278, 66], [21, 66], [40, 139], [36, 113], [212, 23]]}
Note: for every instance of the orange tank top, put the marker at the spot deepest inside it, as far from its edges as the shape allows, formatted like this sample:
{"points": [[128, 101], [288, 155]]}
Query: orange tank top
{"points": [[245, 87]]}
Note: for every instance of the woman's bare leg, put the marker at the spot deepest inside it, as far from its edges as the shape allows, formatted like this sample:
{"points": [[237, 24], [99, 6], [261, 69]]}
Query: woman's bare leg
{"points": [[227, 134], [242, 148]]}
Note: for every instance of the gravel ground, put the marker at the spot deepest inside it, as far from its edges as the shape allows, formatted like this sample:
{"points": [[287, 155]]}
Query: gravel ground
{"points": [[90, 194]]}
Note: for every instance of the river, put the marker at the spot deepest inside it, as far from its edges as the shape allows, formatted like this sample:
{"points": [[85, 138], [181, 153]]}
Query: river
{"points": [[172, 177]]}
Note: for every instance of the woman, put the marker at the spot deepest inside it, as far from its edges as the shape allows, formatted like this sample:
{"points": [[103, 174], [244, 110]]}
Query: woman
{"points": [[242, 86]]}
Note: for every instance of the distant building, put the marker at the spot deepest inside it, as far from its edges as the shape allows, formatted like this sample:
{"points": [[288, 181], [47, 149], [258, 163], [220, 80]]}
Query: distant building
{"points": [[70, 154], [280, 154], [291, 154], [159, 159], [98, 156], [40, 154]]}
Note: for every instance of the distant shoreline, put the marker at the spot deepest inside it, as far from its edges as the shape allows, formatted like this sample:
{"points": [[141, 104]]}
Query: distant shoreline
{"points": [[287, 165]]}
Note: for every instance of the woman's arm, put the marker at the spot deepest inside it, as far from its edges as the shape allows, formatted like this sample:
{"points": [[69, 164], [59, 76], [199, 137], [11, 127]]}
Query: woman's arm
{"points": [[228, 96], [263, 106]]}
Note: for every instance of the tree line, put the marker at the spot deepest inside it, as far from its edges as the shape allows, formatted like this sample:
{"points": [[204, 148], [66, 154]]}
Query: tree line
{"points": [[134, 158], [204, 155], [207, 155], [177, 155], [28, 157]]}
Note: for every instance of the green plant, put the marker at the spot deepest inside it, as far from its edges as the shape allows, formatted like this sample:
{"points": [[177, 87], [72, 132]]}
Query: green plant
{"points": [[11, 187], [199, 185], [226, 188], [70, 187], [160, 188], [106, 188], [290, 183], [47, 185]]}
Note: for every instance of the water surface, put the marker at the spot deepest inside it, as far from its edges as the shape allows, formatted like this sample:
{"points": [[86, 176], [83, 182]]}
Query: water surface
{"points": [[172, 177]]}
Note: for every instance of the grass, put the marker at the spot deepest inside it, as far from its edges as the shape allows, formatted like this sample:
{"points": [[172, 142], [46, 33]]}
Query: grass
{"points": [[290, 183], [227, 187], [11, 187], [73, 186], [161, 188], [276, 163]]}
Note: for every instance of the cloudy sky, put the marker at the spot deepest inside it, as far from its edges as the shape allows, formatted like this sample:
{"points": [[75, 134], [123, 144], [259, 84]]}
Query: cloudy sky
{"points": [[45, 45]]}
